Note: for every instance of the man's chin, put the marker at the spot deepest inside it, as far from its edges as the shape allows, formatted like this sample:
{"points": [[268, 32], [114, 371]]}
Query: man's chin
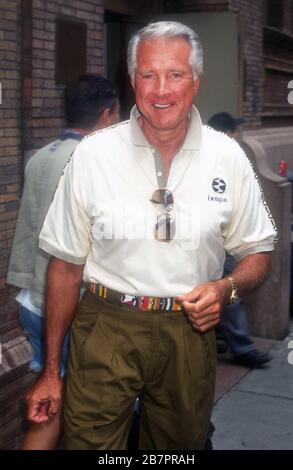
{"points": [[163, 124]]}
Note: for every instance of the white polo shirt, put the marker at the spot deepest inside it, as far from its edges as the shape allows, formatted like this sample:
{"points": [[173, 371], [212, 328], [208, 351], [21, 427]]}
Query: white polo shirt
{"points": [[102, 215]]}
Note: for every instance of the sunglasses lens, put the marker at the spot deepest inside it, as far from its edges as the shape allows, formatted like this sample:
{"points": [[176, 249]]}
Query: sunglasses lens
{"points": [[164, 199], [164, 230]]}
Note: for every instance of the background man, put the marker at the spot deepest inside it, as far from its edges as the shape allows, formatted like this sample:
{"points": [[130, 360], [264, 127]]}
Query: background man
{"points": [[123, 219], [224, 122], [91, 103]]}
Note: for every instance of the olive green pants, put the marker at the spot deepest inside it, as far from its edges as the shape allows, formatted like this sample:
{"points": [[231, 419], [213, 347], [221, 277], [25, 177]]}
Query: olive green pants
{"points": [[119, 352]]}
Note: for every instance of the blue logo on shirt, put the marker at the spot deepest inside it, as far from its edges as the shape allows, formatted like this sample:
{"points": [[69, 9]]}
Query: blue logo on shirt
{"points": [[219, 185]]}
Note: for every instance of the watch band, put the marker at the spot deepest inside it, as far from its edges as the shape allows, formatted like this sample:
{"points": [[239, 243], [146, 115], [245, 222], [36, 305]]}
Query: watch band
{"points": [[234, 297]]}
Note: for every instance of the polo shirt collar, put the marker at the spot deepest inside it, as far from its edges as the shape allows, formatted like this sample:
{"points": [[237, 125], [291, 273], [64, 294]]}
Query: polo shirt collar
{"points": [[192, 140], [70, 134]]}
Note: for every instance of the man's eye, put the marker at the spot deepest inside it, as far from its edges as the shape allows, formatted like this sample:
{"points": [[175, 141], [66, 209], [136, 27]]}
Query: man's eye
{"points": [[176, 75], [147, 76]]}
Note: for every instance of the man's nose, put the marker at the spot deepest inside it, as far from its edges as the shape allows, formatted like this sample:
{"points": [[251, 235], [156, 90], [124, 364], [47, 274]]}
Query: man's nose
{"points": [[162, 86]]}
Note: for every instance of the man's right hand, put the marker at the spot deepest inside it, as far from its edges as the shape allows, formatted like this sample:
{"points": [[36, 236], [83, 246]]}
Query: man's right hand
{"points": [[44, 400]]}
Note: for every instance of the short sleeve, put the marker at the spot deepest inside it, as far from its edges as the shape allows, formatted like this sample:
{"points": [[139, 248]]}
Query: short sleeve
{"points": [[66, 230], [251, 228]]}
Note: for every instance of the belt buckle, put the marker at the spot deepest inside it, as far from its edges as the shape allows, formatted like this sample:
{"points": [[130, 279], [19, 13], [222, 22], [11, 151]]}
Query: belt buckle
{"points": [[129, 300]]}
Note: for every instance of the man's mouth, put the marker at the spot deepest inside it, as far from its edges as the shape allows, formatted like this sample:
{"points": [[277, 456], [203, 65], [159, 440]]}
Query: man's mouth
{"points": [[162, 106]]}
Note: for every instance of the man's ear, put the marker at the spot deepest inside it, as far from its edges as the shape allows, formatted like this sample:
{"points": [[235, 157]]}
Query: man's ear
{"points": [[105, 119], [196, 85]]}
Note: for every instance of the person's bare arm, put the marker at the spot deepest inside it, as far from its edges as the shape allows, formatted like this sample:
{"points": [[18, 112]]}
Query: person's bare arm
{"points": [[62, 295], [204, 303]]}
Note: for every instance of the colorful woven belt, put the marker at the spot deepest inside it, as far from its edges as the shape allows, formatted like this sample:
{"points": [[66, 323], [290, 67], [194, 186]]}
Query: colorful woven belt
{"points": [[141, 302]]}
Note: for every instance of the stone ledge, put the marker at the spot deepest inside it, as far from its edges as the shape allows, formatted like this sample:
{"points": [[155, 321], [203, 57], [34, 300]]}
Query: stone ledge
{"points": [[15, 381]]}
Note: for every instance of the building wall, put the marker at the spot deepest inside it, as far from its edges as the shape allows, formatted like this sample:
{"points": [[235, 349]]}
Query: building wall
{"points": [[268, 59], [45, 96], [10, 187], [251, 17], [274, 12], [31, 112], [287, 16], [195, 5], [134, 7], [10, 151], [278, 63], [31, 115]]}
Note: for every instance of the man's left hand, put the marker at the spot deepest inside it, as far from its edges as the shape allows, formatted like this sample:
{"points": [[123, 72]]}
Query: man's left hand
{"points": [[204, 303]]}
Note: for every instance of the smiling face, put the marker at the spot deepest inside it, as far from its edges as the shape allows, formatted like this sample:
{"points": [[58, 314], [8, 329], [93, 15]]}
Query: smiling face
{"points": [[164, 85]]}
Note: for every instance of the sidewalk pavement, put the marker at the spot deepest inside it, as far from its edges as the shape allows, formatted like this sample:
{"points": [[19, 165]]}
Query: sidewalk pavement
{"points": [[253, 409]]}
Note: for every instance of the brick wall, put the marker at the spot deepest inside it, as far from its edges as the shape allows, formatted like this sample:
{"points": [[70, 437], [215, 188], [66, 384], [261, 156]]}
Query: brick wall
{"points": [[10, 187], [27, 34], [268, 56], [276, 89], [10, 152], [279, 14], [278, 69], [31, 115], [46, 97], [287, 16], [195, 5], [252, 17], [275, 15]]}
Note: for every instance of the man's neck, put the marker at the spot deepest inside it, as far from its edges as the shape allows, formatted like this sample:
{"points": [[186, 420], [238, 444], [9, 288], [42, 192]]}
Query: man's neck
{"points": [[167, 142], [81, 131]]}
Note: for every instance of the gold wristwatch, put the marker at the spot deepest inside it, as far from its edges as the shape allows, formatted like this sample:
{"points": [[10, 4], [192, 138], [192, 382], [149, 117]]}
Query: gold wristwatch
{"points": [[234, 297]]}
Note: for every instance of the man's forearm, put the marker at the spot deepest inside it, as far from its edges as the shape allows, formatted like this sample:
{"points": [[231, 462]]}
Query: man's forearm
{"points": [[62, 295], [248, 275]]}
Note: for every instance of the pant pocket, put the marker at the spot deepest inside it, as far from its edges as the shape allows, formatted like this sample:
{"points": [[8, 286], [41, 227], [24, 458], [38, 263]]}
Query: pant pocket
{"points": [[200, 353], [99, 347], [85, 320]]}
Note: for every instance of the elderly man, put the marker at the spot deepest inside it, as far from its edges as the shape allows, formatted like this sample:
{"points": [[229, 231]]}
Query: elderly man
{"points": [[144, 213]]}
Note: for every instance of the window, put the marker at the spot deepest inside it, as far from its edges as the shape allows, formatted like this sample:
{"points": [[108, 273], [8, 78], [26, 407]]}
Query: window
{"points": [[275, 13], [71, 50]]}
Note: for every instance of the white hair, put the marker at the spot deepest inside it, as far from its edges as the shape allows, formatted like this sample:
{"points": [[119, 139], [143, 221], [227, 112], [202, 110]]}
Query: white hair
{"points": [[168, 29]]}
